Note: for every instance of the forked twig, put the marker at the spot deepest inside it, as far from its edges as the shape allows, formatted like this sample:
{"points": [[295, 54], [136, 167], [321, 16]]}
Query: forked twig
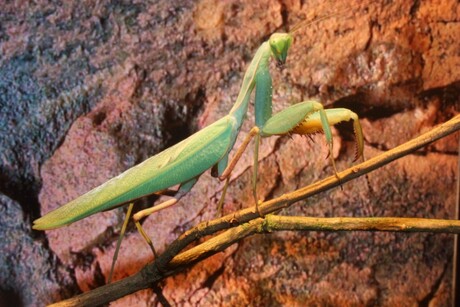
{"points": [[246, 222]]}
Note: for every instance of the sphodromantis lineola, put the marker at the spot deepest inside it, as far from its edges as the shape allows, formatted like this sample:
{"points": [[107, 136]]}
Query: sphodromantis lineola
{"points": [[209, 148]]}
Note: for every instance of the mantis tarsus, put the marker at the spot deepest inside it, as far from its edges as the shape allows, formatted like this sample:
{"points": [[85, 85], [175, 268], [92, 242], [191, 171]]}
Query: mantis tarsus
{"points": [[209, 148]]}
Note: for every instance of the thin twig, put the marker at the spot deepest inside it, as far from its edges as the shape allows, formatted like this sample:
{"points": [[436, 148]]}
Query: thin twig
{"points": [[272, 223], [456, 256], [246, 222], [399, 224]]}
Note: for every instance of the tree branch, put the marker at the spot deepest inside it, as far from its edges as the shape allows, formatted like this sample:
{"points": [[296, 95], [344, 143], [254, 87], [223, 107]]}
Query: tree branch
{"points": [[279, 223], [247, 222], [394, 224], [270, 206]]}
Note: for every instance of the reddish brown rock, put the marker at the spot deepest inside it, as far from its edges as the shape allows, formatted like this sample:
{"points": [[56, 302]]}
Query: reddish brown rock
{"points": [[156, 73]]}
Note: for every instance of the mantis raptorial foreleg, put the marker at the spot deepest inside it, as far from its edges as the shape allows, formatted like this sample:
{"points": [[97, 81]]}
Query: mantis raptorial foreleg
{"points": [[305, 118], [334, 116], [308, 117]]}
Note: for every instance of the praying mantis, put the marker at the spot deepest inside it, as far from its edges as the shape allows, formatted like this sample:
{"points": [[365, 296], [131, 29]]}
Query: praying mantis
{"points": [[209, 148]]}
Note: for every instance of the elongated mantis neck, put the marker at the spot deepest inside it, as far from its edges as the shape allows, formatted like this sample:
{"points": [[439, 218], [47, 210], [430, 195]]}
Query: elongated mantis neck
{"points": [[260, 59]]}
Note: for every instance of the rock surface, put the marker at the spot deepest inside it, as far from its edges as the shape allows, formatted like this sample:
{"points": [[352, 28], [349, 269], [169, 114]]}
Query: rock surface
{"points": [[29, 273], [91, 88]]}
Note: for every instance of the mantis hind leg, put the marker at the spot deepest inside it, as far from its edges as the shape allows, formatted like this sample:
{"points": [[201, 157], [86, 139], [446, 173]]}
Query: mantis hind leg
{"points": [[120, 238], [166, 192], [183, 189]]}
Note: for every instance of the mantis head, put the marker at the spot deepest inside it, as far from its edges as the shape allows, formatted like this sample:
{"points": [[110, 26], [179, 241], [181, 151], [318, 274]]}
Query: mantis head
{"points": [[279, 44]]}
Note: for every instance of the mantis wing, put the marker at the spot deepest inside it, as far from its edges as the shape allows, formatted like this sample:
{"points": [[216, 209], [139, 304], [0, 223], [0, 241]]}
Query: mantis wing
{"points": [[177, 164]]}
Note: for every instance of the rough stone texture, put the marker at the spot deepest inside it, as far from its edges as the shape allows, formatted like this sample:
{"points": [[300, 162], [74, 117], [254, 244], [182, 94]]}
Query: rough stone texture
{"points": [[89, 89], [29, 274]]}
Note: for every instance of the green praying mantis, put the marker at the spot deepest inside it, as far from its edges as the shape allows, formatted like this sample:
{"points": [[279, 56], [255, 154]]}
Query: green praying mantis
{"points": [[209, 148]]}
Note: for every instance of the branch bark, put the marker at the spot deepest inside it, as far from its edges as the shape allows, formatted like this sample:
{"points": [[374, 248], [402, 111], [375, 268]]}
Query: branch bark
{"points": [[246, 222]]}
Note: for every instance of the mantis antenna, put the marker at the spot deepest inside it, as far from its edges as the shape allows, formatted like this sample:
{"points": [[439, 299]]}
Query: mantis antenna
{"points": [[307, 22]]}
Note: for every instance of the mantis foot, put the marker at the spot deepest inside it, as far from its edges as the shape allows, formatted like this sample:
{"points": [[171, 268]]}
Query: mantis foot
{"points": [[258, 209]]}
